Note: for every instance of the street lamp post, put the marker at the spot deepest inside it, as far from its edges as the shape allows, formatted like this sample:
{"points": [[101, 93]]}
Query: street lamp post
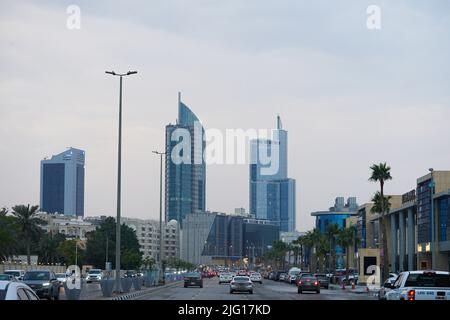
{"points": [[432, 184], [119, 167], [160, 210], [76, 251]]}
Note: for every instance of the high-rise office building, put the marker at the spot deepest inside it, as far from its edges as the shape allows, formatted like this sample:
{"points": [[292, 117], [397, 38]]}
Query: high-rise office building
{"points": [[272, 193], [185, 167], [62, 183]]}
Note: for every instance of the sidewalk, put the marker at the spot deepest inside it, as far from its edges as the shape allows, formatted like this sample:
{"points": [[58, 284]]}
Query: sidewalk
{"points": [[358, 289]]}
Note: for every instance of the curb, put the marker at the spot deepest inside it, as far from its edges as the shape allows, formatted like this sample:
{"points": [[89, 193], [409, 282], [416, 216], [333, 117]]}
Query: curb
{"points": [[356, 291], [135, 294]]}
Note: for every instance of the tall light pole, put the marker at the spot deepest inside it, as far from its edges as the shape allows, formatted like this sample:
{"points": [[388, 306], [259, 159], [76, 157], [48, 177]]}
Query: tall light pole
{"points": [[433, 262], [160, 209], [119, 172]]}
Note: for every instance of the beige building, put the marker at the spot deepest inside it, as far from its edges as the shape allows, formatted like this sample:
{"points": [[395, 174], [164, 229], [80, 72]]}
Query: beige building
{"points": [[147, 232], [69, 226]]}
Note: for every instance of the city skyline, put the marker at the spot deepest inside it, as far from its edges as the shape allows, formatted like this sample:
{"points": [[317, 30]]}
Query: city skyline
{"points": [[350, 96]]}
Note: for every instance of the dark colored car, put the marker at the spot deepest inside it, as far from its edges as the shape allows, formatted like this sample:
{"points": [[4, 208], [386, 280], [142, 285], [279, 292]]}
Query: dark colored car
{"points": [[308, 283], [278, 273], [7, 277], [43, 283], [324, 281], [193, 280], [302, 274]]}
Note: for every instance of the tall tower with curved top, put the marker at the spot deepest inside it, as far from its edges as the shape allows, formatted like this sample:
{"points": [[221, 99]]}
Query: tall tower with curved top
{"points": [[186, 181]]}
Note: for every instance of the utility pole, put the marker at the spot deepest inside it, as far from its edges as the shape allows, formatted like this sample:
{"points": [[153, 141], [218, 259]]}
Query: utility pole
{"points": [[119, 177], [160, 212]]}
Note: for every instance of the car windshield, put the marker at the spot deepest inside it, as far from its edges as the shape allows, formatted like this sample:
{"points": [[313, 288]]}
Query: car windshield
{"points": [[308, 278], [60, 275], [95, 272], [193, 275], [306, 275], [36, 275], [428, 280], [241, 278], [255, 274], [13, 273]]}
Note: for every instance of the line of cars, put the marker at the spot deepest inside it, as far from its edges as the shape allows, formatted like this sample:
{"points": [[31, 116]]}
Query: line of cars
{"points": [[304, 280], [239, 281], [29, 285]]}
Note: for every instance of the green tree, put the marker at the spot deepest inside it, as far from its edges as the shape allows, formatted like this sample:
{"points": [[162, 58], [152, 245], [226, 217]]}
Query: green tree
{"points": [[69, 254], [331, 232], [280, 249], [377, 203], [382, 173], [48, 248], [3, 212], [148, 263], [29, 225], [9, 237], [345, 239], [129, 246]]}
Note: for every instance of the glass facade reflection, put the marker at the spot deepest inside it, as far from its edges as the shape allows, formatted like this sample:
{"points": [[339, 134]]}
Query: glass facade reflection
{"points": [[62, 183], [272, 196], [185, 182]]}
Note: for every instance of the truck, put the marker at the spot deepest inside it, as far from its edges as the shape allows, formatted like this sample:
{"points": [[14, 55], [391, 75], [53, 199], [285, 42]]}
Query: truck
{"points": [[420, 285]]}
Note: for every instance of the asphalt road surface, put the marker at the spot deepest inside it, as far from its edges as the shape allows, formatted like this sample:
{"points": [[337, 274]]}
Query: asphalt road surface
{"points": [[268, 290]]}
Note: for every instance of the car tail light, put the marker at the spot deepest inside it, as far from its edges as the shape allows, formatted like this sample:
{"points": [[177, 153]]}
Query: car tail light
{"points": [[300, 282], [411, 295], [315, 283]]}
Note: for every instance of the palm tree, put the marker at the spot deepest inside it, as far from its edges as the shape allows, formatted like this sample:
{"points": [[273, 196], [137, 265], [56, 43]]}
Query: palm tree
{"points": [[3, 212], [382, 173], [317, 240], [9, 239], [308, 242], [280, 249], [296, 249], [345, 239], [331, 232], [28, 224], [377, 203]]}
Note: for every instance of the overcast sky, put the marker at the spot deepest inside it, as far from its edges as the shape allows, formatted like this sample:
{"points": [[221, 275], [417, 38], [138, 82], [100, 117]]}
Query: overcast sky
{"points": [[347, 95]]}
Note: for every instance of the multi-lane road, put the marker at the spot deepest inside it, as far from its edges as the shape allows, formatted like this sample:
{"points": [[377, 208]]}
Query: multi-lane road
{"points": [[268, 290]]}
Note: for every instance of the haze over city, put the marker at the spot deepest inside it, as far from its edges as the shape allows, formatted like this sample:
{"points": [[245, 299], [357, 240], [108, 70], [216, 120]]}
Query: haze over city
{"points": [[348, 96]]}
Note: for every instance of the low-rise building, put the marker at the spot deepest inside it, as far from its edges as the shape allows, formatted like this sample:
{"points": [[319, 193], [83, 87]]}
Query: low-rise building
{"points": [[221, 239], [147, 233], [70, 226]]}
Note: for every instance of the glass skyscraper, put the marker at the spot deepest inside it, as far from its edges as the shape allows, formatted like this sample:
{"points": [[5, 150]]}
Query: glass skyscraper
{"points": [[272, 193], [62, 183], [185, 182]]}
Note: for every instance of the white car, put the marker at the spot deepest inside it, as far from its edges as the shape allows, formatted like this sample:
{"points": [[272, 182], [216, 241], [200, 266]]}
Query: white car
{"points": [[14, 290], [420, 285], [94, 275], [16, 273], [225, 277], [241, 284], [62, 278], [256, 277]]}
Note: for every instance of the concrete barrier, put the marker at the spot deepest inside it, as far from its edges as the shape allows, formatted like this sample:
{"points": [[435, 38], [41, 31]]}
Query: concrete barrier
{"points": [[26, 267]]}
